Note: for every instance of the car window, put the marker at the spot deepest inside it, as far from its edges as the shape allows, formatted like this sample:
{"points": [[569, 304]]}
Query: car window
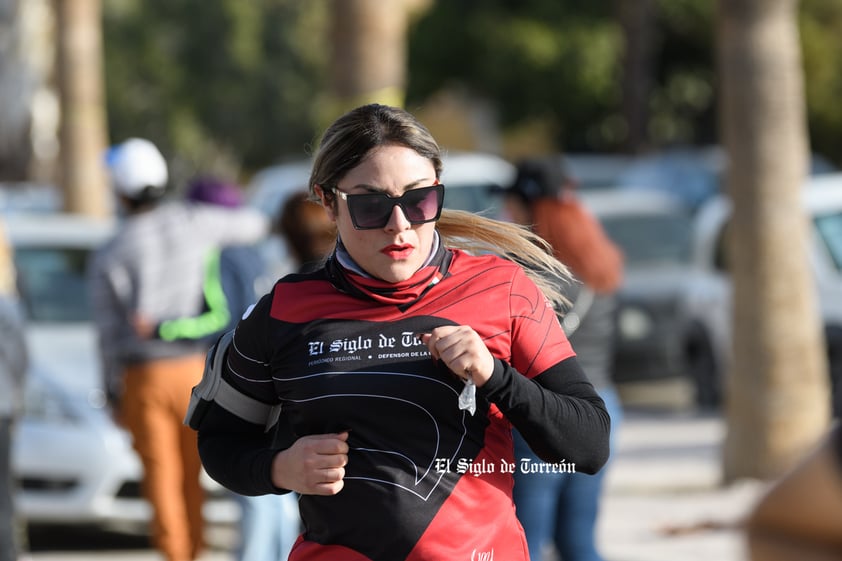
{"points": [[472, 198], [650, 239], [52, 283], [830, 231]]}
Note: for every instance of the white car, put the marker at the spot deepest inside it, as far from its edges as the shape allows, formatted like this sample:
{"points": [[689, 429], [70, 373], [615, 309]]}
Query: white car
{"points": [[75, 465], [653, 229], [708, 303]]}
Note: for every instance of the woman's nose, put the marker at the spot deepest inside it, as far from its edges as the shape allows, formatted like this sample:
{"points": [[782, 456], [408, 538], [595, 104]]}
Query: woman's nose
{"points": [[398, 220]]}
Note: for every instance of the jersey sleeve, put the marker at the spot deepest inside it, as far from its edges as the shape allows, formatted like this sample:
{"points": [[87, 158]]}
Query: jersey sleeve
{"points": [[544, 393], [538, 341], [247, 367]]}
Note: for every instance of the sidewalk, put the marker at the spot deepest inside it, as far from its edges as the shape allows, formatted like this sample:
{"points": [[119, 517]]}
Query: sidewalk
{"points": [[663, 500]]}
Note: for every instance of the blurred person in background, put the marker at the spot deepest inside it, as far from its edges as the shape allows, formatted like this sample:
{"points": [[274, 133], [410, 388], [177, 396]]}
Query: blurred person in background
{"points": [[561, 509], [308, 230], [269, 524], [13, 363], [150, 272], [389, 371], [799, 517]]}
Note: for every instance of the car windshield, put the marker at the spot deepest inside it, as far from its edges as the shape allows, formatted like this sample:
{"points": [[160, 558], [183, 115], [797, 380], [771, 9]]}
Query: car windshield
{"points": [[52, 283], [830, 230], [650, 239]]}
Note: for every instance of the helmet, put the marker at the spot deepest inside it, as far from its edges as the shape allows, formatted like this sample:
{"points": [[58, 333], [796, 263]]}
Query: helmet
{"points": [[138, 170]]}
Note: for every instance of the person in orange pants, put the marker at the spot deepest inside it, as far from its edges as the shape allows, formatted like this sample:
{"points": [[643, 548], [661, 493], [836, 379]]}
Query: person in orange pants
{"points": [[142, 281], [168, 450]]}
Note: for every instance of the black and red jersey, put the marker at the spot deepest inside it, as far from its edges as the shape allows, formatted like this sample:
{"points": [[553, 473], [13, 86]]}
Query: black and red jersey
{"points": [[425, 479]]}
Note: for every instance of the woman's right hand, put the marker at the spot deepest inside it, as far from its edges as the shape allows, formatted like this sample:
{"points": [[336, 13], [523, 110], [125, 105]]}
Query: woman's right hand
{"points": [[313, 465]]}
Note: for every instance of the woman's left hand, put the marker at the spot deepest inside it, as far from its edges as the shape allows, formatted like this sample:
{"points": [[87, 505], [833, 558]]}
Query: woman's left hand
{"points": [[462, 351]]}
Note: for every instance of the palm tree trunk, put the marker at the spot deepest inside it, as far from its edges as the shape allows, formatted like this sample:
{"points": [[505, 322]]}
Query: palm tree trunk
{"points": [[83, 134], [368, 60], [778, 397], [16, 89]]}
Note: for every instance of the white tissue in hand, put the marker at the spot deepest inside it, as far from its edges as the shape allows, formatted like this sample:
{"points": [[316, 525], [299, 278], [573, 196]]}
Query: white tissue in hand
{"points": [[468, 397]]}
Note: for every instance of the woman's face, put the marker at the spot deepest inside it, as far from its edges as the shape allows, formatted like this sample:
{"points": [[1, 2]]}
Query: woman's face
{"points": [[396, 251]]}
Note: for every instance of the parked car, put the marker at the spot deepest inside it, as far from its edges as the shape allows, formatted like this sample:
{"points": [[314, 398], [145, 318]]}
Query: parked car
{"points": [[25, 196], [597, 170], [76, 466], [708, 299], [474, 181], [653, 229], [693, 174]]}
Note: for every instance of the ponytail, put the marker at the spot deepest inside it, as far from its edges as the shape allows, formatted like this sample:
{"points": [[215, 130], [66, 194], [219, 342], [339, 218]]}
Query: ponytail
{"points": [[479, 234]]}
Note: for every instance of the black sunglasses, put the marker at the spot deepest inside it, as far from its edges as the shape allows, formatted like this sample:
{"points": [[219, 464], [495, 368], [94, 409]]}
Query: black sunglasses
{"points": [[370, 211]]}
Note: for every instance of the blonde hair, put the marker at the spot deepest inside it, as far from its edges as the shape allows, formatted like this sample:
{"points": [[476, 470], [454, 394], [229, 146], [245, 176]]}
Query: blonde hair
{"points": [[352, 136]]}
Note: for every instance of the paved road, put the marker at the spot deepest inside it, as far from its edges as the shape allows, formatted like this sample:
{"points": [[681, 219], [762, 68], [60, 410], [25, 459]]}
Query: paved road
{"points": [[663, 501]]}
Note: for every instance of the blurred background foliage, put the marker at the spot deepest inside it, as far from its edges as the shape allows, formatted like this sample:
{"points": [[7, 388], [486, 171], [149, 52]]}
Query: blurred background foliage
{"points": [[223, 83], [553, 66], [235, 84]]}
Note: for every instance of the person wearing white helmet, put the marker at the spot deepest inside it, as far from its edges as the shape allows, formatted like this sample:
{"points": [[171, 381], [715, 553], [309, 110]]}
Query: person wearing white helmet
{"points": [[151, 272], [138, 170]]}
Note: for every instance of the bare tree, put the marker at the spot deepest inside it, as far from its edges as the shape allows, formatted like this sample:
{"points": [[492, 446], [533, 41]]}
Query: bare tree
{"points": [[83, 135], [778, 398]]}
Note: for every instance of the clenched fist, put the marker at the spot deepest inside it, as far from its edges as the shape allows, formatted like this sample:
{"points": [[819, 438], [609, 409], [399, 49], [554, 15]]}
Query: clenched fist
{"points": [[313, 465]]}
